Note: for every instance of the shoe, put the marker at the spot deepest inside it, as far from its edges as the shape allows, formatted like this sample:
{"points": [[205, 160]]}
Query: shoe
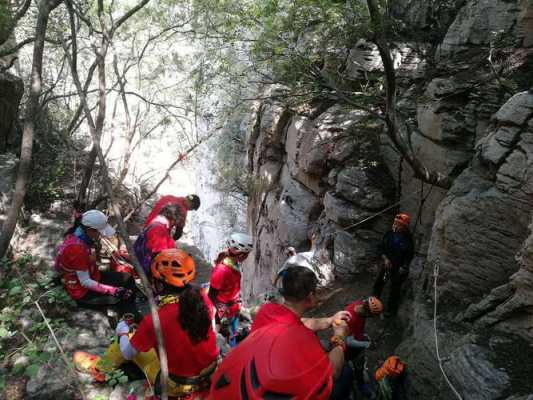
{"points": [[86, 363]]}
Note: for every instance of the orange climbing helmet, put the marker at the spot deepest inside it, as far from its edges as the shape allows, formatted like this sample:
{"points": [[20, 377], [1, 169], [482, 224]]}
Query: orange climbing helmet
{"points": [[403, 219], [375, 306], [174, 267], [392, 367]]}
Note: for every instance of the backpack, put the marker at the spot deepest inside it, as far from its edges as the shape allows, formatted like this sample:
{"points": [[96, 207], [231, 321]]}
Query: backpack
{"points": [[142, 252]]}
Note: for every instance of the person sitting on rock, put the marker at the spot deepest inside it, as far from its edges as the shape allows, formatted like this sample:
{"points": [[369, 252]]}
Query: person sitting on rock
{"points": [[397, 251], [298, 288], [225, 284], [186, 315], [183, 204], [358, 341], [157, 236], [392, 380], [76, 264]]}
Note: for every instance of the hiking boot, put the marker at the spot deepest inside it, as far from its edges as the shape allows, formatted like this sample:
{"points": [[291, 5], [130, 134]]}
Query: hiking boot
{"points": [[86, 363]]}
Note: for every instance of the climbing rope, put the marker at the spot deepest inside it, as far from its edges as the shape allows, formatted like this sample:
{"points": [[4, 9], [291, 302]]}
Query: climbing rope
{"points": [[439, 359], [345, 229]]}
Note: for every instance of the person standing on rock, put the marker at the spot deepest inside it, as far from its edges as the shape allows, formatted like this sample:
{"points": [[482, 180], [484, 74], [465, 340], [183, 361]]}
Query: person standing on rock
{"points": [[225, 284], [186, 315], [76, 264], [357, 341], [185, 204], [157, 236], [397, 251]]}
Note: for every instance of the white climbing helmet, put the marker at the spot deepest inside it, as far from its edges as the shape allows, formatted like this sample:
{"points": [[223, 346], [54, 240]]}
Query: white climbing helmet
{"points": [[300, 260], [240, 242]]}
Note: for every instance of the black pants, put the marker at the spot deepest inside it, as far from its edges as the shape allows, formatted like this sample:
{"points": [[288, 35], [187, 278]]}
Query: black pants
{"points": [[396, 279], [95, 300]]}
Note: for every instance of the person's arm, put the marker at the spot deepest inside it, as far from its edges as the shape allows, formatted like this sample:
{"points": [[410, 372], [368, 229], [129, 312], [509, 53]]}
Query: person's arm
{"points": [[127, 350], [320, 324], [353, 343], [91, 284], [336, 354]]}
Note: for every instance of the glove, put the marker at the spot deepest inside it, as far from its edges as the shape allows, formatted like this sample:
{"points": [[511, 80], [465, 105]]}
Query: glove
{"points": [[122, 328], [123, 293]]}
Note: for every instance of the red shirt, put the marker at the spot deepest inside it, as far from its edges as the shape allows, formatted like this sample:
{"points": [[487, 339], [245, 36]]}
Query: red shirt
{"points": [[166, 200], [274, 313], [185, 358], [227, 281], [158, 238], [356, 323], [74, 255]]}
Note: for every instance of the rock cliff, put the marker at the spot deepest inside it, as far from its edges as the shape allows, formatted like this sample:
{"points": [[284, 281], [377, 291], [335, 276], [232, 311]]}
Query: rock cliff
{"points": [[465, 76]]}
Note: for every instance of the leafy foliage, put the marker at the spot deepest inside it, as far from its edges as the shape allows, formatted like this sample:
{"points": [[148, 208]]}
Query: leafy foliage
{"points": [[17, 296]]}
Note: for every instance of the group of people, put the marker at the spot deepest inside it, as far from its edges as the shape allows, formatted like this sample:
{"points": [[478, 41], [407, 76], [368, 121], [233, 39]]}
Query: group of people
{"points": [[282, 357]]}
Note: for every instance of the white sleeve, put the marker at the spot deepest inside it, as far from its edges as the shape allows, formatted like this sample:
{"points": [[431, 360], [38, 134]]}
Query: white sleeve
{"points": [[127, 350], [85, 280]]}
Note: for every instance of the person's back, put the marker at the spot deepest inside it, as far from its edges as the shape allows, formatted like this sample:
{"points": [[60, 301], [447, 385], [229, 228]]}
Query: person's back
{"points": [[270, 362], [185, 357]]}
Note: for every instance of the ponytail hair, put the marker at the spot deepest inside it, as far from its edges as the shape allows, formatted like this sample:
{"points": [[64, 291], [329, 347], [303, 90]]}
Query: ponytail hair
{"points": [[79, 209], [194, 316]]}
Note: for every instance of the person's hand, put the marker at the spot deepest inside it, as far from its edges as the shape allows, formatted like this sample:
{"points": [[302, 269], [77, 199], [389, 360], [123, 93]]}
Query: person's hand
{"points": [[123, 293], [341, 329], [339, 317], [122, 328], [387, 263]]}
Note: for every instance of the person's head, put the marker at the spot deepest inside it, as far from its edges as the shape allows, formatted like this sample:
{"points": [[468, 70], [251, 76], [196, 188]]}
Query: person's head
{"points": [[173, 270], [193, 202], [172, 267], [170, 212], [94, 223], [392, 368], [370, 307], [277, 361], [401, 222], [240, 245], [298, 286]]}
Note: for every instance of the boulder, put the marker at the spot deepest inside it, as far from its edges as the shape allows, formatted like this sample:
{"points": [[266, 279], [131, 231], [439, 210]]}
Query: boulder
{"points": [[478, 22]]}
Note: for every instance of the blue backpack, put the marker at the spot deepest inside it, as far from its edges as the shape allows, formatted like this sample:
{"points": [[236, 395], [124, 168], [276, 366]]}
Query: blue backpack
{"points": [[143, 253]]}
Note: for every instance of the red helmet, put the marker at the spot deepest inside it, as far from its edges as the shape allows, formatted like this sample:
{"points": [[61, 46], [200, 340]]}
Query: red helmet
{"points": [[278, 361]]}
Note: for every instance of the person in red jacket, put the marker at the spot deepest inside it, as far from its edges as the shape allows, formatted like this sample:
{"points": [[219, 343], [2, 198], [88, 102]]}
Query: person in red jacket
{"points": [[186, 315], [282, 356], [76, 264], [157, 236], [225, 284], [358, 341], [183, 204], [278, 361]]}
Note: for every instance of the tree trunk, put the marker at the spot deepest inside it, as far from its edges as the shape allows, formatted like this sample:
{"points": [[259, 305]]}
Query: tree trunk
{"points": [[24, 169]]}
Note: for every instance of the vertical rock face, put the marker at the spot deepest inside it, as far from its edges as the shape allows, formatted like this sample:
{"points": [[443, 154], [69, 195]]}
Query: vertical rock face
{"points": [[464, 80], [321, 172]]}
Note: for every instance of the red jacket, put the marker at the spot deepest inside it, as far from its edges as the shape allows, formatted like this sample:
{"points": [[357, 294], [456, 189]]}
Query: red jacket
{"points": [[75, 255], [226, 278]]}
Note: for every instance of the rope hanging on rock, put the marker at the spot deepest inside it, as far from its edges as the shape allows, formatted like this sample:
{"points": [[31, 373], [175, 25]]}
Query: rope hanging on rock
{"points": [[439, 359]]}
